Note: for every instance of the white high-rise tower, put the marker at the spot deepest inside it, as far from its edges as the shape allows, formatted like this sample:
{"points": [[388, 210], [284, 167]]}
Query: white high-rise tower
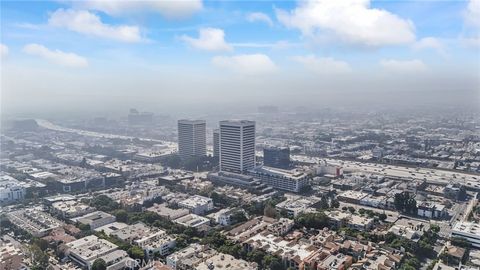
{"points": [[237, 145], [192, 139]]}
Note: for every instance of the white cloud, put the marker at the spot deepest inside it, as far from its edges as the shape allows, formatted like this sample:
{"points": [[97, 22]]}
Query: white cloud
{"points": [[168, 8], [404, 66], [259, 17], [323, 65], [3, 50], [249, 64], [209, 39], [472, 14], [350, 21], [56, 56], [430, 43], [88, 23]]}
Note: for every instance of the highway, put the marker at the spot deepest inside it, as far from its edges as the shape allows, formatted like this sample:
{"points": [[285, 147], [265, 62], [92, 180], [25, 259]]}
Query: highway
{"points": [[431, 175]]}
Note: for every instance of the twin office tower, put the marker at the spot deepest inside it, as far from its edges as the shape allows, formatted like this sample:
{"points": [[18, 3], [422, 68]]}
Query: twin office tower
{"points": [[233, 143]]}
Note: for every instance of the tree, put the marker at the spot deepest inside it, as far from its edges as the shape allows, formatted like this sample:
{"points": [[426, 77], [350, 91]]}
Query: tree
{"points": [[99, 264], [312, 220], [269, 211], [136, 252], [238, 217], [405, 202], [121, 215], [334, 203], [40, 258], [104, 203], [382, 217]]}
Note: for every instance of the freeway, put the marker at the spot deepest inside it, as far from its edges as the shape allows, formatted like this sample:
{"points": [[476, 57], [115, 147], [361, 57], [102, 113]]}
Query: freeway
{"points": [[431, 175], [49, 125]]}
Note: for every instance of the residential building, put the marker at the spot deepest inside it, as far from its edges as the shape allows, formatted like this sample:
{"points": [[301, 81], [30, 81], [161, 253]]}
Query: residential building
{"points": [[86, 250], [34, 221], [237, 145], [197, 204], [192, 140]]}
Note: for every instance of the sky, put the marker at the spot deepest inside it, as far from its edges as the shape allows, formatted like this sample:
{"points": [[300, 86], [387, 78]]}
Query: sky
{"points": [[178, 55]]}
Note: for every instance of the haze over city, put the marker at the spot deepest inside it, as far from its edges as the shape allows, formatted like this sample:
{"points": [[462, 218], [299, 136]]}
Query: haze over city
{"points": [[243, 135]]}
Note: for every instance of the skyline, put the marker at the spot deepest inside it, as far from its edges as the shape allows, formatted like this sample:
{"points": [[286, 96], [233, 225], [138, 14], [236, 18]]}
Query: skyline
{"points": [[129, 53]]}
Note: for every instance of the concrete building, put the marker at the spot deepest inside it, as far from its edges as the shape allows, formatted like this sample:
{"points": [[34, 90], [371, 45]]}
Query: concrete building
{"points": [[287, 180], [192, 221], [216, 143], [11, 189], [86, 250], [192, 140], [197, 204], [277, 157], [237, 145], [469, 231], [225, 261], [96, 219], [156, 241], [70, 209], [35, 222]]}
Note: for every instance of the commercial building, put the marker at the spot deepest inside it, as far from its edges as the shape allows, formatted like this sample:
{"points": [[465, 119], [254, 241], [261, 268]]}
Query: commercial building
{"points": [[197, 204], [86, 250], [192, 140], [277, 157], [96, 219], [166, 212], [216, 142], [34, 221], [287, 180], [297, 205], [468, 230], [237, 145]]}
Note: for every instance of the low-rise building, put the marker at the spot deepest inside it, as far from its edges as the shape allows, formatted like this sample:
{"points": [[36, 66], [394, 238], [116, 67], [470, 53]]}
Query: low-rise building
{"points": [[225, 261], [11, 257], [468, 230], [296, 205], [197, 204], [166, 212], [70, 208], [281, 226], [86, 250], [339, 219], [192, 221], [35, 222], [287, 180], [96, 219]]}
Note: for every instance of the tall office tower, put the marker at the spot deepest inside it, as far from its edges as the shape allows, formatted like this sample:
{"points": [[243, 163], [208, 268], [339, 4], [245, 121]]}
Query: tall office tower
{"points": [[216, 142], [192, 140], [237, 145], [277, 157]]}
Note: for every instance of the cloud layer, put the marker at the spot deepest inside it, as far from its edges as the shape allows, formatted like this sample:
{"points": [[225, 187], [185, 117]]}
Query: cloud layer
{"points": [[3, 50], [85, 22], [56, 56], [209, 39], [323, 65], [403, 66], [248, 64], [350, 21], [259, 17], [168, 9]]}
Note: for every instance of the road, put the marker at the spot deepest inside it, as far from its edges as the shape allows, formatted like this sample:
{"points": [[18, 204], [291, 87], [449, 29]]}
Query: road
{"points": [[431, 175]]}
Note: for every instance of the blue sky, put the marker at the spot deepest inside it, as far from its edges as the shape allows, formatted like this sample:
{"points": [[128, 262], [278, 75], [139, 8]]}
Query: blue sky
{"points": [[211, 40]]}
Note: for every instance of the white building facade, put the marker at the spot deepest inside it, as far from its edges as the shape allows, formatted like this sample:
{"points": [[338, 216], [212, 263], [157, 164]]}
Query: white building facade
{"points": [[192, 140], [237, 145]]}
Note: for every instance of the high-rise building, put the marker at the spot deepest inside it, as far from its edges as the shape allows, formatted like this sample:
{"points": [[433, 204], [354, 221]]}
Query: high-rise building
{"points": [[216, 143], [237, 145], [192, 140], [277, 157]]}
